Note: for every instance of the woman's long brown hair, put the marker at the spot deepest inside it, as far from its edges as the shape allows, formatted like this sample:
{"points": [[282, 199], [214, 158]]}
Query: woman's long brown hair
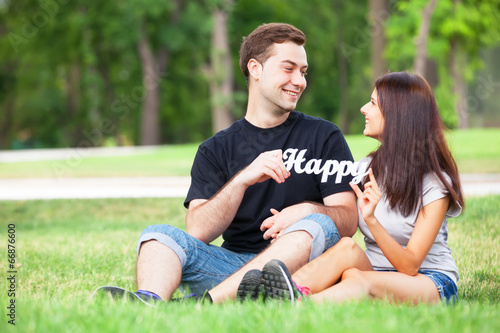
{"points": [[413, 143]]}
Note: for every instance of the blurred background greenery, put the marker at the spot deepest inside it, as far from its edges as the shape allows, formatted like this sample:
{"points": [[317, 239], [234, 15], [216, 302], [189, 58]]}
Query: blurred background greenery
{"points": [[143, 72]]}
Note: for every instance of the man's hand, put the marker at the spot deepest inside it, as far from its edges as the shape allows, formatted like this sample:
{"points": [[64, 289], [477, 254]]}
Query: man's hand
{"points": [[340, 207], [207, 219], [267, 165], [280, 221]]}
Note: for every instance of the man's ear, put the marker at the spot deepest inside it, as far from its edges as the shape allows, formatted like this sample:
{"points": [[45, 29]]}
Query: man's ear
{"points": [[254, 68]]}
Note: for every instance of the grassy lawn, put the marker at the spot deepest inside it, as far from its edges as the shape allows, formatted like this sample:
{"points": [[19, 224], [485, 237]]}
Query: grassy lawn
{"points": [[476, 151], [66, 248]]}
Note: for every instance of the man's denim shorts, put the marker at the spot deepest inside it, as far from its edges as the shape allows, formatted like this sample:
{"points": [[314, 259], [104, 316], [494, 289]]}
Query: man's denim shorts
{"points": [[205, 266]]}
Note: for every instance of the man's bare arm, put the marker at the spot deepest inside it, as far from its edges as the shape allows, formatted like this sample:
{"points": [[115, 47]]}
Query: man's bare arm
{"points": [[340, 207], [208, 219]]}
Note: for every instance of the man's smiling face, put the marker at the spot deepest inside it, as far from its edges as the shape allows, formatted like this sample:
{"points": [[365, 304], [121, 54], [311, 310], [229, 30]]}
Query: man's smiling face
{"points": [[282, 78]]}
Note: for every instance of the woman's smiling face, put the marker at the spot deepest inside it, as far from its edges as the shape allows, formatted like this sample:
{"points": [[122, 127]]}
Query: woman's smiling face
{"points": [[374, 120]]}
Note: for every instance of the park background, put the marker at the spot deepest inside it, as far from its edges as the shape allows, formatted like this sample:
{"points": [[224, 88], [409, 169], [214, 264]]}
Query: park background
{"points": [[161, 76], [143, 72]]}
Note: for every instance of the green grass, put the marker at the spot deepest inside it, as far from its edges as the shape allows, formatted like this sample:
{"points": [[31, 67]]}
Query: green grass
{"points": [[476, 151], [66, 248], [174, 160]]}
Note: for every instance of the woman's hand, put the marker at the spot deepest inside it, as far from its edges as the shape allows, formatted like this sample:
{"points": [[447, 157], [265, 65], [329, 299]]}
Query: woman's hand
{"points": [[368, 200]]}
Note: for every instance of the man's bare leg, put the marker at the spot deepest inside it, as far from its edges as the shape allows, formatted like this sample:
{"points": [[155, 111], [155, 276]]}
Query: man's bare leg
{"points": [[293, 249], [159, 269]]}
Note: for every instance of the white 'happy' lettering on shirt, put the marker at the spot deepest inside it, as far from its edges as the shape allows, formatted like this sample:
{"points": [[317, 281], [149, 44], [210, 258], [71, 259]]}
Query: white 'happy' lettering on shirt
{"points": [[294, 159]]}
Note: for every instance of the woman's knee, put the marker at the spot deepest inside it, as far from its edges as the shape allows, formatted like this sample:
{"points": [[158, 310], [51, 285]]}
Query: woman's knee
{"points": [[346, 246], [352, 273], [347, 243], [360, 278]]}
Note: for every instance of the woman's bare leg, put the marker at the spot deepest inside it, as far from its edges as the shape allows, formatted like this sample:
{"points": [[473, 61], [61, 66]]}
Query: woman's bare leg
{"points": [[326, 270], [392, 286]]}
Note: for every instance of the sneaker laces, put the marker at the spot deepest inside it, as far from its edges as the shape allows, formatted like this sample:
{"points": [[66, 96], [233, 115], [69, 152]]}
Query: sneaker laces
{"points": [[147, 295], [304, 291]]}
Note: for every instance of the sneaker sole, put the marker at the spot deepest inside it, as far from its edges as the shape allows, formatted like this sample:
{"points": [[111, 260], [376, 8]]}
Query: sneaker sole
{"points": [[251, 286], [118, 293], [278, 281]]}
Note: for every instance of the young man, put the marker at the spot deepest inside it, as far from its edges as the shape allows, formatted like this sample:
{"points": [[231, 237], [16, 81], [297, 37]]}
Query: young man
{"points": [[255, 183]]}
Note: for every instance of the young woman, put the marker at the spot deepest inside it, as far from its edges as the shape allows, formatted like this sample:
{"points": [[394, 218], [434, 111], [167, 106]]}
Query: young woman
{"points": [[411, 189]]}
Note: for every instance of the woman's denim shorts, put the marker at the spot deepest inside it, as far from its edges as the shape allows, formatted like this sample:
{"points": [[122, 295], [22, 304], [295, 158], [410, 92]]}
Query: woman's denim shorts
{"points": [[446, 287]]}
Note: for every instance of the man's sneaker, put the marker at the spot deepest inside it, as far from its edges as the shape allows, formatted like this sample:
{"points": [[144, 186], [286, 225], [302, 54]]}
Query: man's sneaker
{"points": [[251, 286], [118, 293], [279, 284], [205, 298]]}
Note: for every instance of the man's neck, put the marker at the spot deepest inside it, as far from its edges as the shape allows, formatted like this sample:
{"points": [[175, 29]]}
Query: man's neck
{"points": [[264, 114], [266, 119]]}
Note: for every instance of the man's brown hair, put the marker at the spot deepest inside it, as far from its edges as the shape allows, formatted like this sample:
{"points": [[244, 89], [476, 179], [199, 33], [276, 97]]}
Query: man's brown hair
{"points": [[258, 45]]}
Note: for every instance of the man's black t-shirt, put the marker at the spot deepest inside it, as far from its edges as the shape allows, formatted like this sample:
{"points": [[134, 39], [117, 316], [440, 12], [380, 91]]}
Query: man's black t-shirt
{"points": [[314, 151]]}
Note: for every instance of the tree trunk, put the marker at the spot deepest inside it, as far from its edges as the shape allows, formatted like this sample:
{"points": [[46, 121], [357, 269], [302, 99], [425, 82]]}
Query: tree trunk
{"points": [[152, 69], [343, 78], [109, 98], [6, 119], [379, 12], [421, 57], [150, 124], [431, 72], [73, 102], [6, 128], [221, 72], [459, 86]]}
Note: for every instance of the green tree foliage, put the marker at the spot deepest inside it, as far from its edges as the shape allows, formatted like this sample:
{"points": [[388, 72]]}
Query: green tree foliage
{"points": [[71, 73], [470, 24], [75, 77], [72, 76]]}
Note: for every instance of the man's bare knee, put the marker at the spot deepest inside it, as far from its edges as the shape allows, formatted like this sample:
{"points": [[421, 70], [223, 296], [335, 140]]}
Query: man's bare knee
{"points": [[152, 247], [302, 234], [294, 248]]}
